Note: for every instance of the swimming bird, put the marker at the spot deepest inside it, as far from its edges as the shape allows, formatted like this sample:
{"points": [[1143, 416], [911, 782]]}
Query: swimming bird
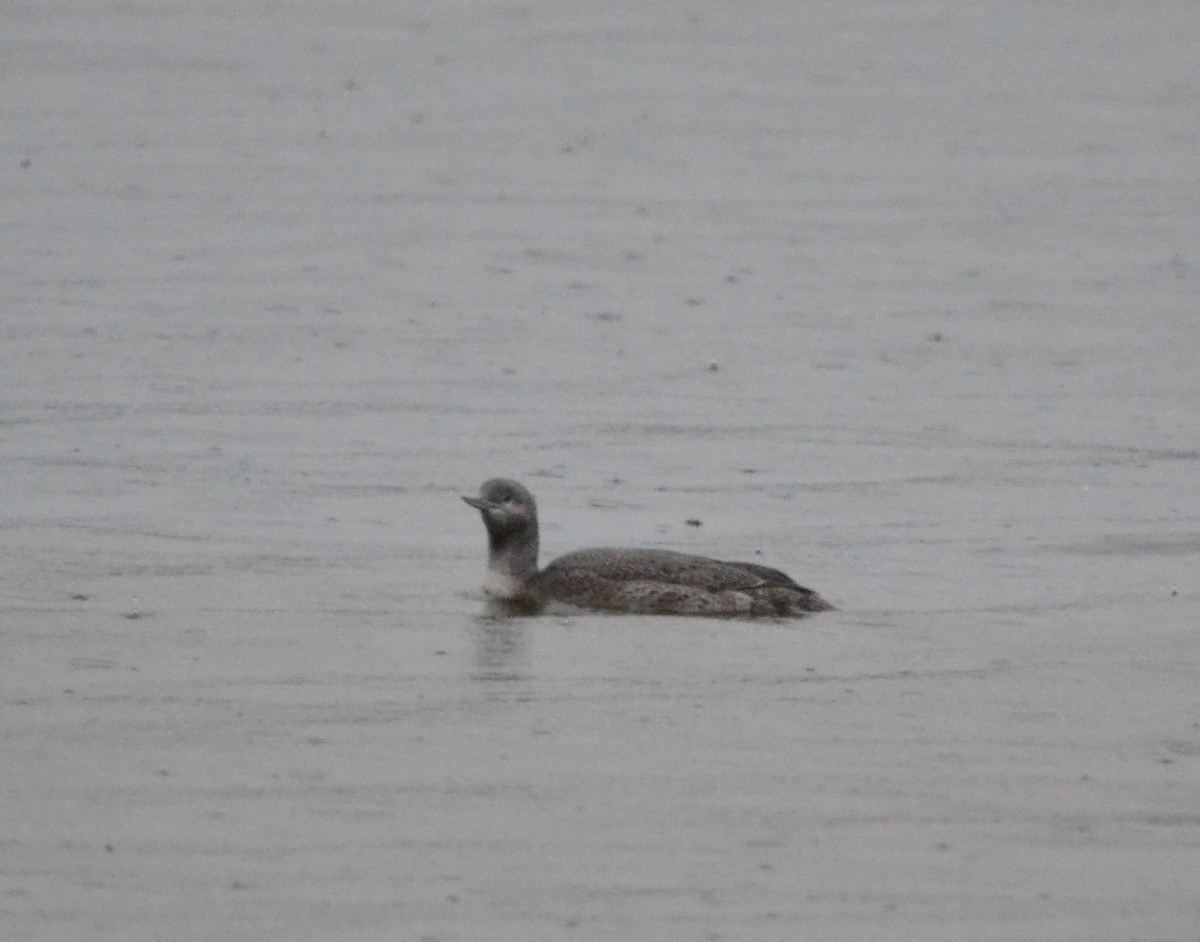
{"points": [[648, 582]]}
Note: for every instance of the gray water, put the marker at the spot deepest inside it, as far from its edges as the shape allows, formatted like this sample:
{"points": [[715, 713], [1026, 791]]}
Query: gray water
{"points": [[901, 298]]}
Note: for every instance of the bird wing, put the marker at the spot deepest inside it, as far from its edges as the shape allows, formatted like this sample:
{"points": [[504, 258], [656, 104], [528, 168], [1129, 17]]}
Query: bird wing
{"points": [[667, 568]]}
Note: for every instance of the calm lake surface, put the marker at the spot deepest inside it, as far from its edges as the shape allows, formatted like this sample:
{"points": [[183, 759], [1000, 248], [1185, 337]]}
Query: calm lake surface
{"points": [[903, 299]]}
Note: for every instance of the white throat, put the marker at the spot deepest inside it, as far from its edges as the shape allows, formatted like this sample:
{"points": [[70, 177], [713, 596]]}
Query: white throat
{"points": [[500, 584]]}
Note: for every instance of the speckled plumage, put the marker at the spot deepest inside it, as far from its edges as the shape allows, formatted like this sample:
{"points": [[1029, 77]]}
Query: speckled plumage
{"points": [[651, 582]]}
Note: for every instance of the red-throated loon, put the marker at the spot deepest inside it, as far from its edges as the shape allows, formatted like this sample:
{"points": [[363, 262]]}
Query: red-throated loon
{"points": [[648, 582]]}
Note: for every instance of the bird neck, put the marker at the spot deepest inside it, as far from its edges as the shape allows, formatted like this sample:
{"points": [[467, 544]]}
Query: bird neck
{"points": [[513, 555]]}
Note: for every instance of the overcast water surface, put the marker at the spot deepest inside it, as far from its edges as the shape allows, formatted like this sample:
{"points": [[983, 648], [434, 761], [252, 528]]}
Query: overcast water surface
{"points": [[902, 298]]}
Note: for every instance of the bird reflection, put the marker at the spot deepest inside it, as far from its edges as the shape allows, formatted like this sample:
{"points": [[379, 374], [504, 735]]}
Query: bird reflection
{"points": [[501, 650]]}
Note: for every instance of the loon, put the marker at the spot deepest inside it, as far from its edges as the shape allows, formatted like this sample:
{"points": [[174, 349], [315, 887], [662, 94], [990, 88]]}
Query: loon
{"points": [[634, 581]]}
